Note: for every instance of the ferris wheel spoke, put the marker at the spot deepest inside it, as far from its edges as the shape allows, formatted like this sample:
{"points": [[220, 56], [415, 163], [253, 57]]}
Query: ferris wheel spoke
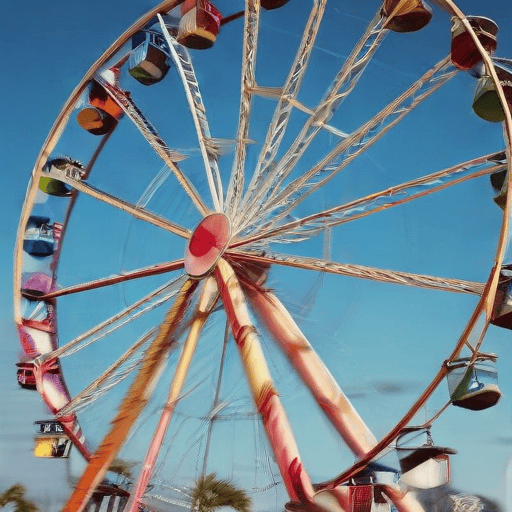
{"points": [[149, 132], [152, 270], [149, 302], [188, 77], [354, 145], [288, 93], [342, 86], [250, 46], [104, 382], [205, 306], [311, 225], [277, 93], [74, 180], [363, 272], [133, 403], [312, 370], [267, 401]]}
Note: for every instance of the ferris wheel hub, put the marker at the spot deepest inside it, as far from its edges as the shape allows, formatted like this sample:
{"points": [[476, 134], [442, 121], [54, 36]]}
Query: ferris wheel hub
{"points": [[207, 244]]}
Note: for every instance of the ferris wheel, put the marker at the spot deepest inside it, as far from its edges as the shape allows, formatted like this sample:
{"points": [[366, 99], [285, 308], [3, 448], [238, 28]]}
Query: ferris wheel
{"points": [[192, 214]]}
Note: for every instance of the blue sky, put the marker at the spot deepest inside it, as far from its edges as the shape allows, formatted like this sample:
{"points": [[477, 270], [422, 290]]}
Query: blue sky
{"points": [[370, 334]]}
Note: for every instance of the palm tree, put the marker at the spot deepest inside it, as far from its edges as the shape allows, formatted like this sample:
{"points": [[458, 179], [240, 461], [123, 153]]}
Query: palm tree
{"points": [[16, 495], [211, 493]]}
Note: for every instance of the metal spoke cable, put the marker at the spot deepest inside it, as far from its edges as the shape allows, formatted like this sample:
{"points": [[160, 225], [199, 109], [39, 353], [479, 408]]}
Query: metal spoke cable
{"points": [[128, 314], [149, 132], [215, 404], [311, 225], [134, 402], [359, 141], [188, 77], [342, 86], [290, 90], [364, 272], [152, 270], [74, 180], [250, 46]]}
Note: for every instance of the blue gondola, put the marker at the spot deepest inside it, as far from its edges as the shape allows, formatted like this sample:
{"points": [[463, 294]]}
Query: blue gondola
{"points": [[473, 386], [39, 240], [148, 62]]}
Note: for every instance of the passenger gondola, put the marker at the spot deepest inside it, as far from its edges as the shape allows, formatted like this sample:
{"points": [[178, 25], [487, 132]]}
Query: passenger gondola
{"points": [[464, 53], [474, 385], [487, 104], [104, 113], [55, 187], [199, 24], [366, 488], [148, 62], [502, 310], [50, 440], [412, 15], [25, 375], [423, 466], [39, 237], [108, 497], [500, 187]]}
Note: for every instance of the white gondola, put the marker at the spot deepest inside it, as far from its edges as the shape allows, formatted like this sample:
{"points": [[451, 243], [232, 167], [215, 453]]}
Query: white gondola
{"points": [[423, 466], [148, 62], [474, 385]]}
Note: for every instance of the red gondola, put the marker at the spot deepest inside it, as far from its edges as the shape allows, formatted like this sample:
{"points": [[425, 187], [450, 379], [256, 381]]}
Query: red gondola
{"points": [[464, 53], [411, 16], [199, 25]]}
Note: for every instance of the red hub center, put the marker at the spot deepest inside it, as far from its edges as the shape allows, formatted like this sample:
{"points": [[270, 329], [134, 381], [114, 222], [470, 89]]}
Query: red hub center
{"points": [[207, 244]]}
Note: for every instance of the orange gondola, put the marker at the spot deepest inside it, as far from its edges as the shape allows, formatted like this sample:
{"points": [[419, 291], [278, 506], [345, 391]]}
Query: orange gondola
{"points": [[104, 113]]}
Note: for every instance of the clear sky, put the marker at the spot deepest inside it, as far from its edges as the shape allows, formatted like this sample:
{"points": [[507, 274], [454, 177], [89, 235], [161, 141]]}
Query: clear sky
{"points": [[383, 343]]}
